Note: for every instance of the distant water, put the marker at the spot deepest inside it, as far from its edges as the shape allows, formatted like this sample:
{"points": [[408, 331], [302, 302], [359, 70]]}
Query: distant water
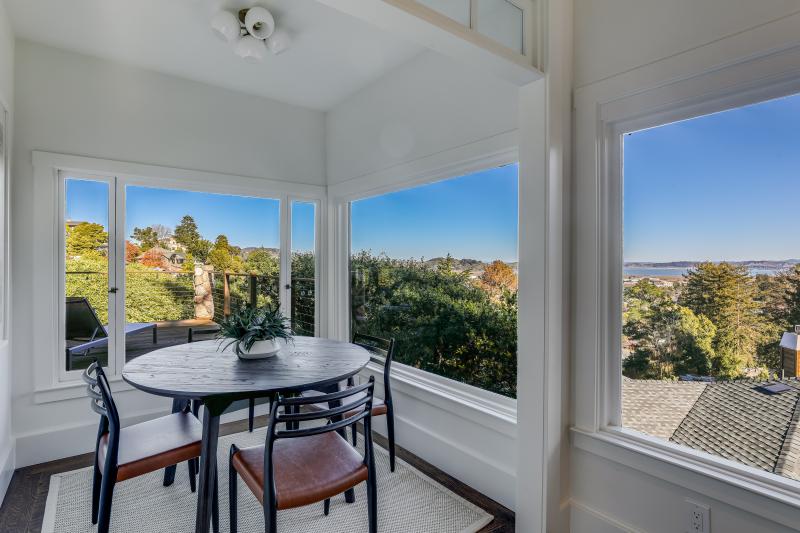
{"points": [[660, 272]]}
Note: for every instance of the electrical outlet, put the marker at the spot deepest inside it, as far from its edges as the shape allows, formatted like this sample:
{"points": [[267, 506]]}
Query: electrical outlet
{"points": [[698, 517]]}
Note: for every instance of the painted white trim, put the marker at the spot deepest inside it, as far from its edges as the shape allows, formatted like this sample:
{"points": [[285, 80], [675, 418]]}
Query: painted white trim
{"points": [[743, 487], [495, 411], [598, 516], [7, 466], [419, 23], [47, 175]]}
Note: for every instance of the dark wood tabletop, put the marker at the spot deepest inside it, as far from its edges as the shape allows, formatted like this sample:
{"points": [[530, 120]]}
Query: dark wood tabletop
{"points": [[203, 369]]}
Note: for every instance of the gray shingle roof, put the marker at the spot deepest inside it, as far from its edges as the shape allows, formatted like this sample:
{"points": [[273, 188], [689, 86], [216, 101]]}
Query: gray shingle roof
{"points": [[657, 407], [735, 420]]}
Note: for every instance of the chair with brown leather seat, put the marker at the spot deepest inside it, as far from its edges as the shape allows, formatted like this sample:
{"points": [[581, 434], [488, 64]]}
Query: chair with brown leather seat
{"points": [[382, 351], [298, 467], [126, 453]]}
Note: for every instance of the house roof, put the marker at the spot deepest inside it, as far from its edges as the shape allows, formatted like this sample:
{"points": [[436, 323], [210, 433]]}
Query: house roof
{"points": [[737, 420]]}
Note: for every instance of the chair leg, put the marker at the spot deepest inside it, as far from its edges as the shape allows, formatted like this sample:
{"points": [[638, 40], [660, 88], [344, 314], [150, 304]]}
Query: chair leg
{"points": [[251, 414], [372, 503], [271, 520], [106, 497], [355, 434], [233, 502], [192, 475], [97, 480], [327, 506], [215, 505], [390, 428]]}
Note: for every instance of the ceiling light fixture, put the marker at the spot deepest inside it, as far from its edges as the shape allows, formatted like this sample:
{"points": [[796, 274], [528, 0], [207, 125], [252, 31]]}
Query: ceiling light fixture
{"points": [[253, 32]]}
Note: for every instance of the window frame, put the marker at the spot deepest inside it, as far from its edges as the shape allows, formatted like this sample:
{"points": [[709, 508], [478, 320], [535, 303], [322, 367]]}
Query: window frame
{"points": [[50, 171], [501, 151], [598, 397]]}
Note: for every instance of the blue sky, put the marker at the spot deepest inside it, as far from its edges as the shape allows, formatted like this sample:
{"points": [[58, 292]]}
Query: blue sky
{"points": [[246, 221], [719, 187], [473, 216]]}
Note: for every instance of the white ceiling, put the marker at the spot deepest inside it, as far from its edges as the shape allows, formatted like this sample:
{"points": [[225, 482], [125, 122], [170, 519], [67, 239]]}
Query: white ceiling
{"points": [[332, 55]]}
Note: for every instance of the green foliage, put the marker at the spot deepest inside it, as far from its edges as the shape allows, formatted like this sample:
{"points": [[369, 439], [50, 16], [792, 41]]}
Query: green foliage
{"points": [[246, 325], [669, 339], [150, 296], [442, 321], [147, 238], [262, 262], [85, 238], [726, 294], [187, 234]]}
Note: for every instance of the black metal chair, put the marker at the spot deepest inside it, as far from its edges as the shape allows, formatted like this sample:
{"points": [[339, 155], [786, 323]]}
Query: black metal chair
{"points": [[126, 453], [298, 467], [382, 351]]}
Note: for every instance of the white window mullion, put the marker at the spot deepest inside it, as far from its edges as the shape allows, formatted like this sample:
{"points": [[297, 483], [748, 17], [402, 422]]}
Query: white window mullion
{"points": [[118, 258], [285, 281]]}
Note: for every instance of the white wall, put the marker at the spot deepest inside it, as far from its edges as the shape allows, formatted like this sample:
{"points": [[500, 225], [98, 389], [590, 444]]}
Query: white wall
{"points": [[75, 104], [613, 490], [614, 36], [429, 105], [7, 98], [431, 118]]}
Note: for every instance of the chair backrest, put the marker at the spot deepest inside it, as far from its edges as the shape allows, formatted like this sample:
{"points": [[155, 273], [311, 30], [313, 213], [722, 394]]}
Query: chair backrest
{"points": [[383, 350], [81, 320], [102, 403], [349, 405]]}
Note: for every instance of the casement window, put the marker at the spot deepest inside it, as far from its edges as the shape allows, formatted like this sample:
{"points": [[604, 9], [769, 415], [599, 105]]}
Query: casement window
{"points": [[142, 265]]}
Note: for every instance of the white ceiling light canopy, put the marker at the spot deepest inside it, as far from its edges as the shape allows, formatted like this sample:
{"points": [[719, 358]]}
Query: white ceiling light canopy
{"points": [[253, 31]]}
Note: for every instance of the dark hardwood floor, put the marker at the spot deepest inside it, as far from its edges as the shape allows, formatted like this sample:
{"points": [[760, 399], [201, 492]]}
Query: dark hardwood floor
{"points": [[23, 508]]}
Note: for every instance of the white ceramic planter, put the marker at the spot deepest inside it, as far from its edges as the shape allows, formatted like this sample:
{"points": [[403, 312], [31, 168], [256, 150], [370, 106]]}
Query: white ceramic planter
{"points": [[262, 349]]}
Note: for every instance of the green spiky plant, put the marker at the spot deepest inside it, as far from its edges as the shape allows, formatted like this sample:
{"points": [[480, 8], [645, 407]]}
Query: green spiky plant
{"points": [[246, 325]]}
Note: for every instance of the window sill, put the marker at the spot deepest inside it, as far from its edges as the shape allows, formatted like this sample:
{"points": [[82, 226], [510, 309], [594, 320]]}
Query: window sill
{"points": [[69, 390], [474, 404], [777, 498]]}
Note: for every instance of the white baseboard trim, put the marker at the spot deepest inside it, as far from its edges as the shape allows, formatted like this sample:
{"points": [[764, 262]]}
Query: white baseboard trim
{"points": [[484, 474], [7, 465], [587, 519], [45, 446]]}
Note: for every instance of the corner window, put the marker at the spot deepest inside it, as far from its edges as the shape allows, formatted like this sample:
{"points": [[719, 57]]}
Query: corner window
{"points": [[711, 283], [435, 267]]}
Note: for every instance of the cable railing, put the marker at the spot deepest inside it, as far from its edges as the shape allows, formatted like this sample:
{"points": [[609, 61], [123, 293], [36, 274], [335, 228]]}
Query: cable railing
{"points": [[155, 296]]}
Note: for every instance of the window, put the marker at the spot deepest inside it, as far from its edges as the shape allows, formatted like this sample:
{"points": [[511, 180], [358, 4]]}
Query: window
{"points": [[503, 21], [435, 267], [711, 284], [144, 267]]}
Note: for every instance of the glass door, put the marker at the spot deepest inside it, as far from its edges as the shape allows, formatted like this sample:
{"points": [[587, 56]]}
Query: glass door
{"points": [[89, 285], [303, 282]]}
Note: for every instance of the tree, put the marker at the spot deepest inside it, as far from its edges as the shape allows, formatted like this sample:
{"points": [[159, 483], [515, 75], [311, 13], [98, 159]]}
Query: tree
{"points": [[162, 232], [262, 262], [222, 257], [186, 234], [85, 238], [147, 238], [131, 252], [669, 339], [499, 277], [726, 294], [153, 258]]}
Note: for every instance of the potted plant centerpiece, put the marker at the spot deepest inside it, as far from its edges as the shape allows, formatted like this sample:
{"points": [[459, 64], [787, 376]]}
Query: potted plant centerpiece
{"points": [[255, 333]]}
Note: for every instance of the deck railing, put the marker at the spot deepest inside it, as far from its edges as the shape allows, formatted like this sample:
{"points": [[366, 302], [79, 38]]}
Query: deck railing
{"points": [[155, 296]]}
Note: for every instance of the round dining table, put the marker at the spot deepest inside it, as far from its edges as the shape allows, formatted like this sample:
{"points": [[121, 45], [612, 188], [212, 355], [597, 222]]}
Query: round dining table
{"points": [[210, 372]]}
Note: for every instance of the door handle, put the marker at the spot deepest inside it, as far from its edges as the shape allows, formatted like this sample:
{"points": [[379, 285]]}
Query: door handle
{"points": [[112, 290]]}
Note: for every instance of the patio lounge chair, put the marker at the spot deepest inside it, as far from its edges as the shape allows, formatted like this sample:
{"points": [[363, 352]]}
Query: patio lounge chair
{"points": [[84, 331]]}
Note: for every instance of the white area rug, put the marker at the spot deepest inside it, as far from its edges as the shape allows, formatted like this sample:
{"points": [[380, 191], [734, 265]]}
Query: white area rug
{"points": [[408, 502]]}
